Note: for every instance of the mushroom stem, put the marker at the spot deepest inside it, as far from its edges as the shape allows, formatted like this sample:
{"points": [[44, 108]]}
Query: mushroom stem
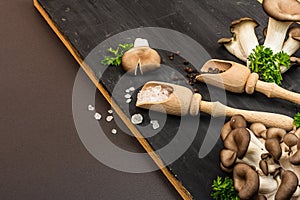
{"points": [[233, 46], [291, 46], [243, 30], [267, 186], [276, 34], [253, 154]]}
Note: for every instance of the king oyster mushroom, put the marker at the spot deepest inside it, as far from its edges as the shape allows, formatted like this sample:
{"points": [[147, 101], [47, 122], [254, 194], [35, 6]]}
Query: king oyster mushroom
{"points": [[141, 58], [234, 47], [292, 44], [282, 13], [244, 38]]}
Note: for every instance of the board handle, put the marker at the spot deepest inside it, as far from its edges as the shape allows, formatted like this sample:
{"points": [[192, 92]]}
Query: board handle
{"points": [[216, 109], [272, 90]]}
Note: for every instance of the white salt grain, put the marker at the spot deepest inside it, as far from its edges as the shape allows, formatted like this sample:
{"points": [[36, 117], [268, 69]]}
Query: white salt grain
{"points": [[137, 119], [97, 116], [128, 100], [114, 131], [91, 108], [127, 96], [109, 118], [131, 89], [110, 111], [153, 94]]}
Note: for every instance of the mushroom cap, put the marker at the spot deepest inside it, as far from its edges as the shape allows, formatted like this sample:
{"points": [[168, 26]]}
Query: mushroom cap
{"points": [[258, 129], [295, 158], [238, 121], [263, 165], [277, 133], [238, 140], [147, 59], [282, 10], [288, 185], [290, 139], [273, 146], [228, 157], [225, 169], [246, 181], [234, 24], [225, 40], [226, 129], [294, 33]]}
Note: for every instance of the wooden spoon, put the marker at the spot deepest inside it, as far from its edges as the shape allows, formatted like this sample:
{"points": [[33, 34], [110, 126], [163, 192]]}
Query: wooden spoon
{"points": [[181, 101], [238, 78]]}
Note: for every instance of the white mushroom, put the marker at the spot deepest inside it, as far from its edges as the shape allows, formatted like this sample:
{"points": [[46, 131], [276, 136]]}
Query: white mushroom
{"points": [[291, 45], [243, 30], [141, 58], [234, 47], [282, 13]]}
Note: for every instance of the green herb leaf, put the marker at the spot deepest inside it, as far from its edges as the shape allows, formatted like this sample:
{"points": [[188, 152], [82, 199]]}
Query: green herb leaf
{"points": [[267, 65], [116, 58], [297, 120], [223, 189]]}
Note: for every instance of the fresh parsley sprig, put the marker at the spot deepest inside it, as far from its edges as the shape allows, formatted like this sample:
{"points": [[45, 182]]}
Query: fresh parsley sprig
{"points": [[267, 65], [297, 120], [223, 189], [116, 58]]}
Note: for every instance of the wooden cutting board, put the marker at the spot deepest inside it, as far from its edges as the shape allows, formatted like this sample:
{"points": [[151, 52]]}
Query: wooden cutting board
{"points": [[83, 24]]}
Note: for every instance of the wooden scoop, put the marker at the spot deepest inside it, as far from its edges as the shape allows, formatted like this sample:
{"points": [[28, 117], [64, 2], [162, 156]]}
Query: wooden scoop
{"points": [[181, 101], [238, 78]]}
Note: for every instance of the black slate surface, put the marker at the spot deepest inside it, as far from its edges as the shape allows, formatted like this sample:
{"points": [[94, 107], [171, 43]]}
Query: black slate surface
{"points": [[92, 26]]}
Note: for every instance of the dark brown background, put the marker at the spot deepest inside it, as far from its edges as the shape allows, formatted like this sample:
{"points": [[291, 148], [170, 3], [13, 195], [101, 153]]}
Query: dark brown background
{"points": [[41, 155]]}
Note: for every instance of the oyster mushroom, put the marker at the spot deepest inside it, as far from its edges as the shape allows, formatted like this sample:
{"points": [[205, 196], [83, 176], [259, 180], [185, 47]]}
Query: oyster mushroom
{"points": [[272, 145], [282, 13], [238, 121], [267, 186], [234, 47], [277, 133], [246, 181], [141, 58], [288, 185], [228, 158], [292, 44], [259, 129], [247, 147], [226, 129], [243, 30]]}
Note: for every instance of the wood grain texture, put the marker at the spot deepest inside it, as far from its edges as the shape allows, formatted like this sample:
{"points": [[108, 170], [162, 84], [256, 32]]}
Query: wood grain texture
{"points": [[83, 25]]}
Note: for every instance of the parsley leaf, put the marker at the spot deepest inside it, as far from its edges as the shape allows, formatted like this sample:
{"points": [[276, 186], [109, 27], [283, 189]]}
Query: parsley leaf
{"points": [[223, 189], [297, 120], [267, 65], [116, 58]]}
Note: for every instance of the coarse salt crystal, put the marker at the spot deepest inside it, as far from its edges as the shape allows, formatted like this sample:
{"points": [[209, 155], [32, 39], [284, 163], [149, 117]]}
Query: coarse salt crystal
{"points": [[114, 131], [136, 119], [91, 108], [128, 100], [97, 116], [110, 111], [127, 96], [131, 89], [109, 118]]}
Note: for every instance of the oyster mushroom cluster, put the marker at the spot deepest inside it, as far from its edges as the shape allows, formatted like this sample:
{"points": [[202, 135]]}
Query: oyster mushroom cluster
{"points": [[265, 162], [282, 13]]}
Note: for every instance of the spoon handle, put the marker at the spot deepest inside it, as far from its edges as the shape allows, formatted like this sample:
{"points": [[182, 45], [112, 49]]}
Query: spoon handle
{"points": [[272, 90], [216, 109]]}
